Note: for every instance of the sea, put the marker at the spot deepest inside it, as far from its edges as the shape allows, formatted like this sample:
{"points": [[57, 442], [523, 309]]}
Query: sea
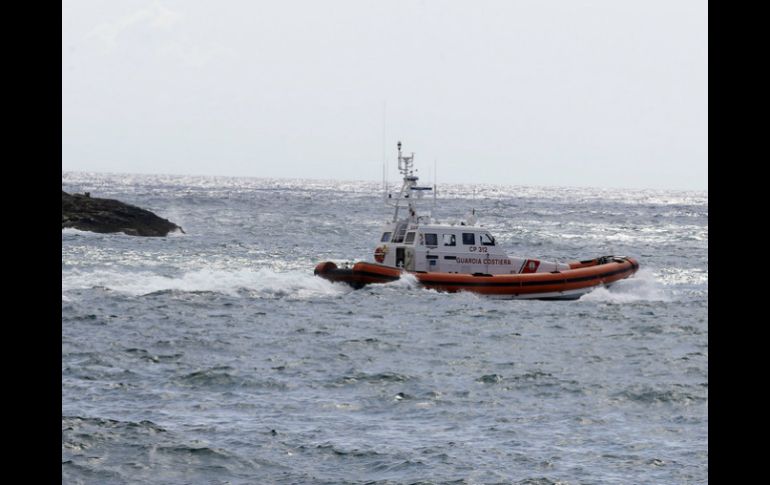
{"points": [[215, 356]]}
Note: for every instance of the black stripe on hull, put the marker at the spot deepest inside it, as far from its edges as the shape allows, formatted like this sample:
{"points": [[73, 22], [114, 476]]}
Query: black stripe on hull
{"points": [[518, 284]]}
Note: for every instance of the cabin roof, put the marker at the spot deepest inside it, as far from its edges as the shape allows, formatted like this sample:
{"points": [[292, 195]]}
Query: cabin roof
{"points": [[444, 227]]}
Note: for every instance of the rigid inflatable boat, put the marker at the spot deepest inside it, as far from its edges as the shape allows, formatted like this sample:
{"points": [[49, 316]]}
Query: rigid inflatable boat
{"points": [[465, 257]]}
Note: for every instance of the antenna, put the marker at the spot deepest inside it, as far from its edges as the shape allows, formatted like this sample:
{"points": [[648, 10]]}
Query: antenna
{"points": [[434, 184], [473, 203], [384, 155]]}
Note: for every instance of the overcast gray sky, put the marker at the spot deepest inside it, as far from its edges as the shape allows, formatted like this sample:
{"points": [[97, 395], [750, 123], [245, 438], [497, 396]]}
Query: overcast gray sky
{"points": [[567, 93]]}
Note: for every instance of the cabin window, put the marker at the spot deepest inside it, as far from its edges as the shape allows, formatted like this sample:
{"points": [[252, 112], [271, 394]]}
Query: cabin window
{"points": [[450, 240], [431, 240], [386, 237], [469, 238], [487, 240], [409, 238]]}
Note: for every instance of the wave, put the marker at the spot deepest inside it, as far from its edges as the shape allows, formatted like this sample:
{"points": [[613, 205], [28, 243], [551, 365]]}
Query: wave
{"points": [[371, 378], [261, 282], [646, 394], [71, 231], [643, 286], [225, 378], [70, 423]]}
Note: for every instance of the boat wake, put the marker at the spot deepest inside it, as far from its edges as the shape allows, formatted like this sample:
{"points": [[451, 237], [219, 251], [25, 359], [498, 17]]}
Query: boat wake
{"points": [[407, 280], [644, 286], [259, 283]]}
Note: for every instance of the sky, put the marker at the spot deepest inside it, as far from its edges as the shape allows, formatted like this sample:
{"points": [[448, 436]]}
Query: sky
{"points": [[549, 93]]}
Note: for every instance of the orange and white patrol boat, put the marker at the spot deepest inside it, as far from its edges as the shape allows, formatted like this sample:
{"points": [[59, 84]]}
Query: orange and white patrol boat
{"points": [[465, 257]]}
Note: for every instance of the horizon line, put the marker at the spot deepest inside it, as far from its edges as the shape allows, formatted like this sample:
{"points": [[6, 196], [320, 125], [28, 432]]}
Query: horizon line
{"points": [[380, 181]]}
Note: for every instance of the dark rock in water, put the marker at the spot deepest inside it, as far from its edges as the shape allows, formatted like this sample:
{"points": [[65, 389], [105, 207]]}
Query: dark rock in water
{"points": [[108, 215]]}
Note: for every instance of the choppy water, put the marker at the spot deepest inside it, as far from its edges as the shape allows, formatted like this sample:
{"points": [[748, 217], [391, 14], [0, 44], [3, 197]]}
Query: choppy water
{"points": [[217, 356]]}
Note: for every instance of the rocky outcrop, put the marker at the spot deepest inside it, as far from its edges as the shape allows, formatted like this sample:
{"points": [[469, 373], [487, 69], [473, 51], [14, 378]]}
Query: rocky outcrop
{"points": [[86, 213]]}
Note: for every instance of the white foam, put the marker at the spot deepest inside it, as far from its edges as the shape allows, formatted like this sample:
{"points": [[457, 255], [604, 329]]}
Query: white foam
{"points": [[258, 283], [407, 280], [683, 276], [177, 233], [643, 286], [71, 231]]}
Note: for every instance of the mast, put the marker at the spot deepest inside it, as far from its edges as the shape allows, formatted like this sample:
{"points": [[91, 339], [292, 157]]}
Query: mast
{"points": [[435, 189], [409, 187], [384, 156]]}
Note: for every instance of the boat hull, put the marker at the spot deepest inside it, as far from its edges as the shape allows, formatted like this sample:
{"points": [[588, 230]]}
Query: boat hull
{"points": [[581, 278]]}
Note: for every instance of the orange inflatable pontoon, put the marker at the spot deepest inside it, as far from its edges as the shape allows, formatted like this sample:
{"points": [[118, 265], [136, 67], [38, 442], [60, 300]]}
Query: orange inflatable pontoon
{"points": [[581, 278]]}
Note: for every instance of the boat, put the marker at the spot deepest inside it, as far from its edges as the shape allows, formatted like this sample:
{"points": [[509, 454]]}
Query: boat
{"points": [[464, 256]]}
